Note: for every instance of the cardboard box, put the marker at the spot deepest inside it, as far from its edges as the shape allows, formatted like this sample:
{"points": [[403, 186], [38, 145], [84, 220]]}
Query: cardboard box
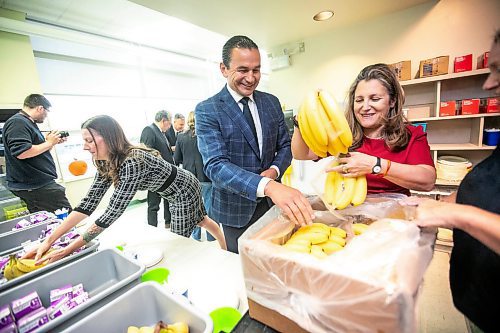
{"points": [[462, 63], [402, 70], [273, 319], [492, 105], [434, 66], [470, 106], [372, 284], [415, 112], [448, 108], [482, 60]]}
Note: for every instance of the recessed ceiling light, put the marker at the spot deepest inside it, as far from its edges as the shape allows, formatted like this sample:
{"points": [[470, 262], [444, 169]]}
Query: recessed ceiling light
{"points": [[324, 15]]}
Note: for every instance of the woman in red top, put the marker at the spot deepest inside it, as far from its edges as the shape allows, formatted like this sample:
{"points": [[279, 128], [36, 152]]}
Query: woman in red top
{"points": [[394, 155]]}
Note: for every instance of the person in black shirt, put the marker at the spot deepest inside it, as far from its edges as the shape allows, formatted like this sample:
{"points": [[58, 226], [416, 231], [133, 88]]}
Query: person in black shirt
{"points": [[153, 136], [475, 220], [30, 168]]}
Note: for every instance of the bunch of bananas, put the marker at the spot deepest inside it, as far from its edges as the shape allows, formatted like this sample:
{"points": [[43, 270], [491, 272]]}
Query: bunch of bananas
{"points": [[341, 191], [317, 239], [323, 125], [160, 327], [17, 267]]}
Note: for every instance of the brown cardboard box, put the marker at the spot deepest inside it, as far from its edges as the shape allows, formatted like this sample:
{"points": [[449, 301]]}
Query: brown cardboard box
{"points": [[448, 108], [482, 60], [434, 66], [402, 70], [462, 64], [273, 319], [415, 112]]}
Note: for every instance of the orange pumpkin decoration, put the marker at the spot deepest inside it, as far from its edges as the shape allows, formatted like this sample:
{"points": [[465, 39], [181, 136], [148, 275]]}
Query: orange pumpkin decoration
{"points": [[77, 167]]}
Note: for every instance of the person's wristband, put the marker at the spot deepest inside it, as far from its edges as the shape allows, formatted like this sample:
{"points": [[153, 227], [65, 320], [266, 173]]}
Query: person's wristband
{"points": [[295, 121], [388, 168]]}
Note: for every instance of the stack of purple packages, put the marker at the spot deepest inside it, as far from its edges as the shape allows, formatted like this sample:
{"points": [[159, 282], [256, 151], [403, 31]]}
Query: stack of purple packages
{"points": [[27, 313], [34, 219]]}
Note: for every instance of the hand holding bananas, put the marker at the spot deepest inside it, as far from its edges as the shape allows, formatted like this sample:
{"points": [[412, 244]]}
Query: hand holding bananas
{"points": [[357, 164]]}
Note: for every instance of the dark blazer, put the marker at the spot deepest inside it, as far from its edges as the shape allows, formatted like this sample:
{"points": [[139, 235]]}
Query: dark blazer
{"points": [[152, 137], [187, 154], [231, 153], [171, 136]]}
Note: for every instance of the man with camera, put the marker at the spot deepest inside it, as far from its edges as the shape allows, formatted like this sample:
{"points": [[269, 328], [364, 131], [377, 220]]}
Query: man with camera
{"points": [[30, 168]]}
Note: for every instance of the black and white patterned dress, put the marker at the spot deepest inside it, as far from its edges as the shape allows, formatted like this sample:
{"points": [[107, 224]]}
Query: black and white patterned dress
{"points": [[141, 171]]}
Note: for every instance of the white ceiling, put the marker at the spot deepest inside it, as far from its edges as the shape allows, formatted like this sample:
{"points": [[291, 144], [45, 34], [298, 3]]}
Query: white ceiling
{"points": [[207, 24]]}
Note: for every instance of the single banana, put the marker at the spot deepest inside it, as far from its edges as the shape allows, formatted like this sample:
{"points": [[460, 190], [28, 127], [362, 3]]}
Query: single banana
{"points": [[317, 251], [315, 118], [330, 247], [337, 239], [313, 237], [344, 191], [296, 247], [335, 231], [299, 241], [329, 194], [305, 131], [359, 228], [337, 117], [314, 227], [360, 191], [28, 265]]}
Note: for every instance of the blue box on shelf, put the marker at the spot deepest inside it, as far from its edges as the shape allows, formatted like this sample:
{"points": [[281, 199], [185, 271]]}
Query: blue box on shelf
{"points": [[424, 126]]}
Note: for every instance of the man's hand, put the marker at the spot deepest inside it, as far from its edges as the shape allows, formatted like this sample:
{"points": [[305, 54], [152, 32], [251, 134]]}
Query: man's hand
{"points": [[269, 173], [53, 137], [291, 201]]}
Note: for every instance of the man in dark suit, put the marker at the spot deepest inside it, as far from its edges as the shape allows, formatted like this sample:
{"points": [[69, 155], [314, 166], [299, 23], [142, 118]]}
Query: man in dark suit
{"points": [[245, 146], [154, 137], [176, 128]]}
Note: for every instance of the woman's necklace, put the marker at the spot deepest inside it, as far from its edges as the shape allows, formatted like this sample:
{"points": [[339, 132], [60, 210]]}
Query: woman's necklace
{"points": [[374, 138]]}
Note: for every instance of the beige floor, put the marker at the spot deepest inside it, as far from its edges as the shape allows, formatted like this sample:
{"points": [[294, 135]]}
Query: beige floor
{"points": [[435, 306]]}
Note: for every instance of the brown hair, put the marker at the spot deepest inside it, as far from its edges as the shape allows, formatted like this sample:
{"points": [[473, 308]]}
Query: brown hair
{"points": [[395, 133], [118, 145], [190, 123]]}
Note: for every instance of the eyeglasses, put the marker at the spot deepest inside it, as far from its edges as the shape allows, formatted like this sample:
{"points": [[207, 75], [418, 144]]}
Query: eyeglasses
{"points": [[47, 110]]}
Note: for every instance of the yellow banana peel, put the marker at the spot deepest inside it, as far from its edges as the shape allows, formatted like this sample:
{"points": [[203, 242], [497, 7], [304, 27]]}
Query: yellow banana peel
{"points": [[337, 117]]}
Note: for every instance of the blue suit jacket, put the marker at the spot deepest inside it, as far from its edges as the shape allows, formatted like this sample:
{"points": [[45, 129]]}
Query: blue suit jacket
{"points": [[231, 153]]}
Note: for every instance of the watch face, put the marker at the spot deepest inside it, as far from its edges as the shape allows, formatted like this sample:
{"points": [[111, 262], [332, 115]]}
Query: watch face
{"points": [[376, 169]]}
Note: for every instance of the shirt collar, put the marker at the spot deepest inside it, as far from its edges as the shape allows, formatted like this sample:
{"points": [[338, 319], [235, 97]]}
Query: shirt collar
{"points": [[237, 97]]}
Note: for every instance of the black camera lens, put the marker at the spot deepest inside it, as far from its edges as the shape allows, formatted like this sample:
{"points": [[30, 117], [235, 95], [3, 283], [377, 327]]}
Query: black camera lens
{"points": [[63, 134]]}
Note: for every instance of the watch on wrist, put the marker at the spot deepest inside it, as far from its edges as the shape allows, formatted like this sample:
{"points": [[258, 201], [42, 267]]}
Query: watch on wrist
{"points": [[377, 168], [295, 121]]}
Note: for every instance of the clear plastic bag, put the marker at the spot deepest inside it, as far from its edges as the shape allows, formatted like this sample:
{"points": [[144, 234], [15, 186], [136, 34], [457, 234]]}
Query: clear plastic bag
{"points": [[369, 286]]}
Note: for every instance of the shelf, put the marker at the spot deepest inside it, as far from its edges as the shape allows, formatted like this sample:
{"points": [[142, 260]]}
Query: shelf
{"points": [[445, 77], [459, 146], [480, 115], [447, 183]]}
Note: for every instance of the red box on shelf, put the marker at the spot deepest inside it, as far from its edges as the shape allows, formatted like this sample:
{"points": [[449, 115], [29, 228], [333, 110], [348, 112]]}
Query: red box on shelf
{"points": [[448, 108], [492, 105], [463, 63], [470, 106], [482, 60]]}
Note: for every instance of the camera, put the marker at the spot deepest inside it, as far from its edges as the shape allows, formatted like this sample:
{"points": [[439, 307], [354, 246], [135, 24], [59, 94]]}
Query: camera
{"points": [[63, 134]]}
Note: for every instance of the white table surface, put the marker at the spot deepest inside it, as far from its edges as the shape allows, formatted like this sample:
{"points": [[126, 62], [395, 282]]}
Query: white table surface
{"points": [[212, 276]]}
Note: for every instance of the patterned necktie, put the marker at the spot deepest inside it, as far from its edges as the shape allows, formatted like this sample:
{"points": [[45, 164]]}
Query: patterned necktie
{"points": [[248, 116]]}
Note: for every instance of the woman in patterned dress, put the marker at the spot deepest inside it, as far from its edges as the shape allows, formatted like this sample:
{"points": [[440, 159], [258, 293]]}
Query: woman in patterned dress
{"points": [[130, 169]]}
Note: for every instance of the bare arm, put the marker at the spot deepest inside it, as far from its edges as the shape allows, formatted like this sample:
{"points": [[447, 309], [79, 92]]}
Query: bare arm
{"points": [[52, 139], [419, 177], [479, 223], [300, 150]]}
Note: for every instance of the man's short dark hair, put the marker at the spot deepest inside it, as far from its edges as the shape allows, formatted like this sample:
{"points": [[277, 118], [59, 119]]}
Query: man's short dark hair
{"points": [[179, 116], [162, 114], [242, 42], [34, 100]]}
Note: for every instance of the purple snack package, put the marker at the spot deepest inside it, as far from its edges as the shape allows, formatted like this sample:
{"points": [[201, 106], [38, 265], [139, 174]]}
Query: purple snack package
{"points": [[22, 224], [82, 298], [3, 261], [24, 305], [78, 289], [11, 328], [56, 294], [33, 321], [60, 307], [6, 317]]}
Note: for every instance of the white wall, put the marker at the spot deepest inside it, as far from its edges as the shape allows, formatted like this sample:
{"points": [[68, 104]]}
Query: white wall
{"points": [[332, 60]]}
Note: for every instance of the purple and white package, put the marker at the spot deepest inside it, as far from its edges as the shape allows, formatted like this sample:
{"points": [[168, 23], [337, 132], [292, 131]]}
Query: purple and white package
{"points": [[24, 305], [34, 320], [22, 224], [56, 294], [78, 289], [82, 298], [6, 317], [60, 307], [11, 328], [3, 261]]}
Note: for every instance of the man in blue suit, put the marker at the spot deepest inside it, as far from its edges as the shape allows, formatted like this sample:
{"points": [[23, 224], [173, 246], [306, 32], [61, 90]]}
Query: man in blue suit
{"points": [[245, 146]]}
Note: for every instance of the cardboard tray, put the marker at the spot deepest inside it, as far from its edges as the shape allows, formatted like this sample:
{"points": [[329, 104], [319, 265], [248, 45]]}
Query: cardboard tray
{"points": [[102, 273], [89, 248], [11, 241], [143, 305]]}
